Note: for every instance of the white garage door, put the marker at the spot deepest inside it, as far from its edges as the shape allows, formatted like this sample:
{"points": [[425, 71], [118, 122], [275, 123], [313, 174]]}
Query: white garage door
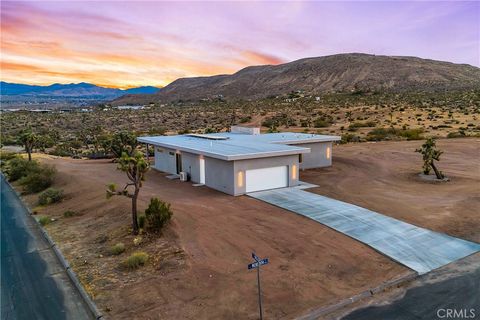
{"points": [[266, 178]]}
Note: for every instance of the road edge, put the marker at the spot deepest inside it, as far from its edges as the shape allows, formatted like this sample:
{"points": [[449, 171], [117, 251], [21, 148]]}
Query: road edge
{"points": [[322, 311], [66, 266]]}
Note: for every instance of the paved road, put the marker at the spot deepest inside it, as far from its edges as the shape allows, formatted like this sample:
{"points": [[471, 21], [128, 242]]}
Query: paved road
{"points": [[33, 283], [418, 248], [432, 299]]}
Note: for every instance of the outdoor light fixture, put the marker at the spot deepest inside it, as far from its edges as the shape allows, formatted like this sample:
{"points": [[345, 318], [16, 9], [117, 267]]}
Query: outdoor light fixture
{"points": [[240, 179]]}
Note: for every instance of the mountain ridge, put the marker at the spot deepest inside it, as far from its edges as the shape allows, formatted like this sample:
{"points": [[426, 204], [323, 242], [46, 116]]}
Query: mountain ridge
{"points": [[317, 75], [81, 89]]}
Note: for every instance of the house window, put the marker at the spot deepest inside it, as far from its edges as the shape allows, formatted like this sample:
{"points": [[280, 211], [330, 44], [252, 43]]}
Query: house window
{"points": [[300, 158], [171, 153], [159, 150], [240, 179], [294, 172], [328, 152]]}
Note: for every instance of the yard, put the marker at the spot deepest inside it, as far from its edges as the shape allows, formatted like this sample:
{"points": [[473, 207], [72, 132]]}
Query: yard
{"points": [[198, 268]]}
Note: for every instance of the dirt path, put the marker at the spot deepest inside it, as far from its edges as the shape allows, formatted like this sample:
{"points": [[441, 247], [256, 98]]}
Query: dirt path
{"points": [[198, 268]]}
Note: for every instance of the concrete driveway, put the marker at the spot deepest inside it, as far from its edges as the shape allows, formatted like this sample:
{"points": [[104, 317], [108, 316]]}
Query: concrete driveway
{"points": [[417, 248], [33, 284]]}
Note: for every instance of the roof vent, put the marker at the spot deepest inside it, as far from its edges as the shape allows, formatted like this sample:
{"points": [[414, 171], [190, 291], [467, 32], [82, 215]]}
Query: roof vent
{"points": [[207, 136]]}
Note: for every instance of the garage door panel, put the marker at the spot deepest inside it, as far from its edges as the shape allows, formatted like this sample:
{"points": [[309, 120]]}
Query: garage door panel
{"points": [[266, 178]]}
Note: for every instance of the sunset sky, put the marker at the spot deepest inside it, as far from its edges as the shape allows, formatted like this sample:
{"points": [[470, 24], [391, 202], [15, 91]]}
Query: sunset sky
{"points": [[126, 44]]}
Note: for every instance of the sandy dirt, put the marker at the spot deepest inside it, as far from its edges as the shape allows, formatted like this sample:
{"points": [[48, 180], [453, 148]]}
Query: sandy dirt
{"points": [[383, 177], [198, 267]]}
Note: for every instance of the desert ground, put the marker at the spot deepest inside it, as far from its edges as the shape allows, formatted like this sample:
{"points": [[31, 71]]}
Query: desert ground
{"points": [[383, 177], [198, 266]]}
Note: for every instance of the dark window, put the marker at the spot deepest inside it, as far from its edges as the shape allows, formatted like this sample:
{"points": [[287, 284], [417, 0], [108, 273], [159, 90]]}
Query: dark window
{"points": [[300, 158]]}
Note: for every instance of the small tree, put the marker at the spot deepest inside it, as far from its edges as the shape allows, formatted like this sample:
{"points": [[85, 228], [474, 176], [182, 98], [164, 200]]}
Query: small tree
{"points": [[135, 166], [121, 142], [157, 214], [28, 140], [430, 153]]}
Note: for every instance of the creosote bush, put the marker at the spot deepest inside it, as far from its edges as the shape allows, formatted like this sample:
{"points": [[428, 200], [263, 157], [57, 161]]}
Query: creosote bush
{"points": [[49, 196], [44, 220], [157, 214], [117, 249], [69, 213], [38, 180], [19, 167], [136, 260]]}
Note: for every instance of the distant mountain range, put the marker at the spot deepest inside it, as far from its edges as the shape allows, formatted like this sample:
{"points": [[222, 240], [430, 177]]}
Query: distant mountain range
{"points": [[335, 73], [73, 90]]}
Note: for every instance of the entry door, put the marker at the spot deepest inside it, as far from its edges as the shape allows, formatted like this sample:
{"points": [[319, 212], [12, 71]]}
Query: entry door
{"points": [[178, 160], [202, 171], [266, 178]]}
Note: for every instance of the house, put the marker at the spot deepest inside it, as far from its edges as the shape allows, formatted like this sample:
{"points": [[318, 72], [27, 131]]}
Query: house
{"points": [[243, 160]]}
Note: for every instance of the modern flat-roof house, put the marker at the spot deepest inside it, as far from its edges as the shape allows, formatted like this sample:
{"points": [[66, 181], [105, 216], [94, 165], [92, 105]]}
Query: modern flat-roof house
{"points": [[243, 160]]}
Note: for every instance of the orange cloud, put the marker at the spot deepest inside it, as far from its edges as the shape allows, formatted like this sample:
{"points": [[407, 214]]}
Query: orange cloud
{"points": [[256, 57]]}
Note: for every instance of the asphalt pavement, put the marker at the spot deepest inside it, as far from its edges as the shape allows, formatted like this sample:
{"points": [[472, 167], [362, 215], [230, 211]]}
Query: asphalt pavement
{"points": [[452, 293], [33, 283]]}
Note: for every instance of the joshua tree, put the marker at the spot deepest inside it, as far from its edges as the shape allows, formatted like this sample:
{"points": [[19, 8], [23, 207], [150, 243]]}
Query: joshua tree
{"points": [[135, 166], [121, 142], [430, 153], [28, 140]]}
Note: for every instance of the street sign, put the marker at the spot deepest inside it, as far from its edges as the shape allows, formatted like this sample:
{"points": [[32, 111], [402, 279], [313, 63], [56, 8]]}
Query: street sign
{"points": [[257, 264]]}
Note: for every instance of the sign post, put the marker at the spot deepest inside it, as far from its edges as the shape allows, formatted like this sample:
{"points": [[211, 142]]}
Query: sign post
{"points": [[256, 265]]}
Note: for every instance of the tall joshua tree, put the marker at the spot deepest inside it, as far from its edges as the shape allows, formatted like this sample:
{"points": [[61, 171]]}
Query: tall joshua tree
{"points": [[430, 154], [135, 166], [28, 140]]}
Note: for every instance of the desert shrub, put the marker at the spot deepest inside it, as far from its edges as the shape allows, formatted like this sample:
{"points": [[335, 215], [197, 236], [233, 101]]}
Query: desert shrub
{"points": [[141, 221], [456, 134], [362, 124], [269, 122], [349, 137], [117, 249], [18, 168], [411, 134], [5, 156], [379, 134], [69, 213], [136, 260], [245, 119], [38, 180], [49, 196], [321, 123], [61, 151], [157, 214], [44, 220]]}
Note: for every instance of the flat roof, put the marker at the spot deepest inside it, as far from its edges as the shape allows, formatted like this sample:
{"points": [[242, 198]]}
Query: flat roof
{"points": [[238, 146]]}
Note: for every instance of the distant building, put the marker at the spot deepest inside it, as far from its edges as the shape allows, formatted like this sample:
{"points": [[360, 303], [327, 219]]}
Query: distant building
{"points": [[138, 107]]}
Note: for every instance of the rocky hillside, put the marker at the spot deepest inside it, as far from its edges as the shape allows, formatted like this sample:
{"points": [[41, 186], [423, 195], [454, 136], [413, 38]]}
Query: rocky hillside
{"points": [[336, 73]]}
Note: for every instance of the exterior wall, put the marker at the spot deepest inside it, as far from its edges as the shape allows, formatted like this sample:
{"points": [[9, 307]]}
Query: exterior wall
{"points": [[165, 160], [219, 175], [191, 165], [243, 165], [317, 157]]}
